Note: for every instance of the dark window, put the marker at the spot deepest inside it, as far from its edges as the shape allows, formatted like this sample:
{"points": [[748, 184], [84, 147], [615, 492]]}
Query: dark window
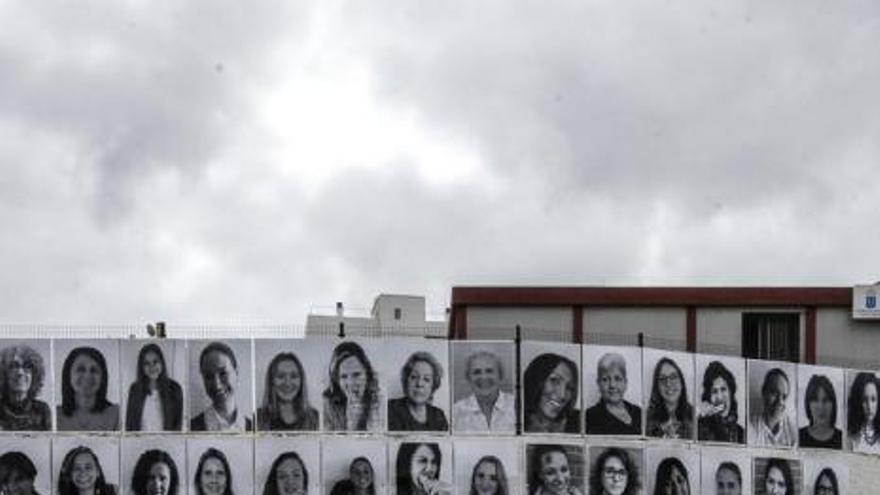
{"points": [[773, 336], [397, 313]]}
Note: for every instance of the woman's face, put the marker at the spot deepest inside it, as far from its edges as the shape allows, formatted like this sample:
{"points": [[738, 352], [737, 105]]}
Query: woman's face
{"points": [[424, 466], [557, 391], [677, 483], [824, 486], [19, 377], [727, 483], [420, 383], [614, 476], [822, 408], [869, 402], [159, 479], [612, 385], [84, 472], [361, 474], [219, 376], [287, 380], [85, 376], [775, 482], [669, 382], [152, 364], [555, 475], [18, 484], [486, 478], [352, 378], [719, 395], [213, 477], [290, 477]]}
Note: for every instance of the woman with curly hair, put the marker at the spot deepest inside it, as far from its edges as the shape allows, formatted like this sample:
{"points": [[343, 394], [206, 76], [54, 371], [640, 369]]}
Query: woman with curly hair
{"points": [[550, 394], [420, 377], [155, 473], [352, 399], [21, 379], [614, 473], [669, 415], [863, 421], [550, 471], [718, 417]]}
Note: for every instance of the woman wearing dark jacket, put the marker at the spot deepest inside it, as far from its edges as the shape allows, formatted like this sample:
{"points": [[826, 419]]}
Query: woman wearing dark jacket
{"points": [[155, 401]]}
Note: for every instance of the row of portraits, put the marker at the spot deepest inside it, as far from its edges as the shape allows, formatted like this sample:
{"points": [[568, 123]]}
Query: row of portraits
{"points": [[164, 465], [421, 385]]}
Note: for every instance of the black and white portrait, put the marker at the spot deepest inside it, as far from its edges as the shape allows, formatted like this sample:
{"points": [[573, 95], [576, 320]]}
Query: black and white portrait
{"points": [[86, 465], [220, 381], [616, 470], [87, 384], [483, 392], [153, 377], [287, 466], [418, 386], [354, 466], [726, 471], [820, 406], [485, 466], [721, 398], [288, 383], [557, 468], [669, 377], [354, 396], [422, 466], [612, 387], [551, 387], [777, 476], [673, 471], [25, 385], [863, 422], [25, 466], [826, 475], [220, 465], [154, 465], [772, 393]]}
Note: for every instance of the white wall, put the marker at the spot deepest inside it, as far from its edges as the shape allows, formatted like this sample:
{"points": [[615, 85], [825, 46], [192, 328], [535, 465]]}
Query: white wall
{"points": [[538, 323], [662, 327], [842, 341]]}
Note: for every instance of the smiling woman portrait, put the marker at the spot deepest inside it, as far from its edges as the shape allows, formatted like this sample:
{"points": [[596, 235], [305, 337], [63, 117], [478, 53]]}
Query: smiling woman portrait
{"points": [[550, 394], [213, 476], [155, 474], [84, 405], [669, 414], [718, 417], [286, 405], [81, 474], [219, 370], [155, 401], [22, 372]]}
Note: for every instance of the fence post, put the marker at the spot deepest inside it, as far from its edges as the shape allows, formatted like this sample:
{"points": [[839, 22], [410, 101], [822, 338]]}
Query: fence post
{"points": [[517, 339]]}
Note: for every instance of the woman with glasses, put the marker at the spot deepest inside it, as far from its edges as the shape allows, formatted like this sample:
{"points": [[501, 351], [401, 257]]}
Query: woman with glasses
{"points": [[614, 473], [670, 415]]}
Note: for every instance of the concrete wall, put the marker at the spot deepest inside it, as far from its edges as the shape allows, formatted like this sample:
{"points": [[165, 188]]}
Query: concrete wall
{"points": [[842, 341], [663, 327], [719, 330], [538, 323]]}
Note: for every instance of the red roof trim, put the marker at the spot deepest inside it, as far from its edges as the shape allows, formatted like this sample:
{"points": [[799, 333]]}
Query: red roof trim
{"points": [[653, 296]]}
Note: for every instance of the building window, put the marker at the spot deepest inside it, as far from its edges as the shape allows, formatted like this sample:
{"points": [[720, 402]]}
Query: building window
{"points": [[773, 336], [398, 313]]}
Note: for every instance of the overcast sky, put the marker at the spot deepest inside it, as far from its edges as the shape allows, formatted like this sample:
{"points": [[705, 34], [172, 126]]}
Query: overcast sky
{"points": [[229, 161]]}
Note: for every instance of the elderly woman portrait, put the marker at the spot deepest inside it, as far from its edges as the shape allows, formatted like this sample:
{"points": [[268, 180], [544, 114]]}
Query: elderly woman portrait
{"points": [[614, 472], [777, 479], [863, 422], [84, 403], [489, 477], [669, 415], [352, 400], [826, 483], [155, 401], [287, 476], [81, 474], [213, 476], [22, 372], [286, 405], [218, 367], [820, 403], [728, 479], [487, 408], [612, 414], [718, 417], [418, 469], [550, 393], [155, 473], [550, 471], [772, 426], [672, 478], [361, 479], [17, 474], [420, 377]]}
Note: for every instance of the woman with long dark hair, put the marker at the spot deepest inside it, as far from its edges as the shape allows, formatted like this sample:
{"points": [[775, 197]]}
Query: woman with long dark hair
{"points": [[361, 479], [287, 476], [155, 473], [669, 415], [614, 473], [81, 474], [672, 478], [84, 404], [550, 394], [863, 421], [213, 476], [418, 469], [286, 404], [778, 479], [820, 402], [550, 471], [718, 415], [489, 477], [352, 399], [155, 401]]}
